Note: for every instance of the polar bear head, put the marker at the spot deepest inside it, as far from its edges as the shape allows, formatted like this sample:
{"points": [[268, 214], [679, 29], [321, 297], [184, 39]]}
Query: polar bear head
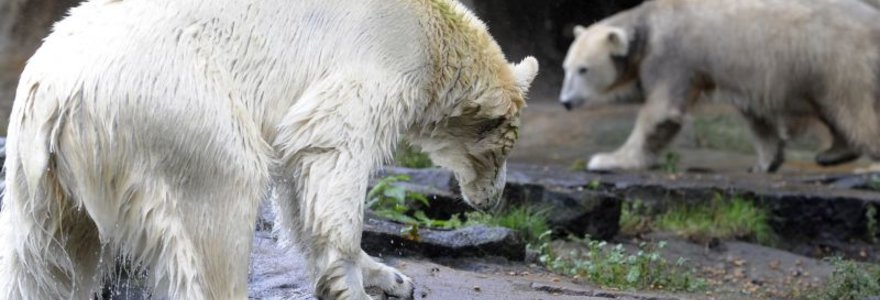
{"points": [[598, 66], [475, 140]]}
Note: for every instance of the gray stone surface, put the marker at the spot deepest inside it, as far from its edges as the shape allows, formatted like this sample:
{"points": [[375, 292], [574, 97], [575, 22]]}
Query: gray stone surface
{"points": [[382, 237]]}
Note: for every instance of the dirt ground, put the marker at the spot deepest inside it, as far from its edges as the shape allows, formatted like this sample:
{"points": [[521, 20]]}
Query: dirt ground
{"points": [[714, 138]]}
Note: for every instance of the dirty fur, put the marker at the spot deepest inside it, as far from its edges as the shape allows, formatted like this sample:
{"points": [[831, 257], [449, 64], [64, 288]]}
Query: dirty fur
{"points": [[152, 130]]}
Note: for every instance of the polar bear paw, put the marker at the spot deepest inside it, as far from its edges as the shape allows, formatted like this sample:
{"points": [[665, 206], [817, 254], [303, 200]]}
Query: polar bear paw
{"points": [[391, 281], [340, 281], [394, 284], [616, 161]]}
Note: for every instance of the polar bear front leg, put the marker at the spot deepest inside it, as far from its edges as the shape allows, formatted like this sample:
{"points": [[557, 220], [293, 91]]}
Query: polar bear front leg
{"points": [[330, 188], [657, 124], [769, 146]]}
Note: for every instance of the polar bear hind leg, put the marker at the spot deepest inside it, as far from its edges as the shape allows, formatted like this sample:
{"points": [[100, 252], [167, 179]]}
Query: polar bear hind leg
{"points": [[49, 246], [853, 113], [190, 257]]}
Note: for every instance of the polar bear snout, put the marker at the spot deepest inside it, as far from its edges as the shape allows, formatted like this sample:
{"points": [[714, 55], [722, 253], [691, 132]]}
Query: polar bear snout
{"points": [[574, 93], [570, 102], [486, 195]]}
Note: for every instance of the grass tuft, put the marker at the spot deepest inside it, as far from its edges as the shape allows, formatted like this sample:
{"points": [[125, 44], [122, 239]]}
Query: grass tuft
{"points": [[734, 218], [720, 218], [635, 218], [530, 223]]}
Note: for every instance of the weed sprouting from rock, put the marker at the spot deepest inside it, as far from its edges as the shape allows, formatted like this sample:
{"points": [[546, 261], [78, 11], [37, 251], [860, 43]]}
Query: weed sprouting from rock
{"points": [[615, 267], [530, 223]]}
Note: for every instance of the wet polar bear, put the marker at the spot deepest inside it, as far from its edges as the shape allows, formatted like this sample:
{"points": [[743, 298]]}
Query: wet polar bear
{"points": [[152, 130], [778, 61]]}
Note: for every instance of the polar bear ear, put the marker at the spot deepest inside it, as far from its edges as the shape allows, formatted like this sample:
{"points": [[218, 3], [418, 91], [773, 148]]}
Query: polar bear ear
{"points": [[618, 39], [578, 29], [525, 72]]}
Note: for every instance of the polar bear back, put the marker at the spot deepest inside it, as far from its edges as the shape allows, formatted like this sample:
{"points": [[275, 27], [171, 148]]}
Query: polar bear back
{"points": [[188, 58], [748, 46]]}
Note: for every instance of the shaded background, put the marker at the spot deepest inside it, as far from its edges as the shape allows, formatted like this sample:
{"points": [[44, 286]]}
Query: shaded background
{"points": [[714, 136]]}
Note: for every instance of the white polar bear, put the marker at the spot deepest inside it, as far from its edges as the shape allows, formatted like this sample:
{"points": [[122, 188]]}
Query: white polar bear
{"points": [[780, 62], [152, 130]]}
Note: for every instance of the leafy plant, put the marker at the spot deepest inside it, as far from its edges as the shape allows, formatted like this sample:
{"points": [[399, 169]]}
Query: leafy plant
{"points": [[409, 157], [613, 267], [392, 201], [530, 223], [850, 281]]}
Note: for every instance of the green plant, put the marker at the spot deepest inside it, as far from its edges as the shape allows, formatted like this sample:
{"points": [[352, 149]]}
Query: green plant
{"points": [[394, 202], [720, 218], [635, 218], [874, 182], [409, 157], [872, 227], [850, 281], [670, 162], [579, 165], [529, 222], [594, 185], [614, 267]]}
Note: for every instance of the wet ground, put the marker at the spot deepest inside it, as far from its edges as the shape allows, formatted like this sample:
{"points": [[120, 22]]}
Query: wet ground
{"points": [[714, 140]]}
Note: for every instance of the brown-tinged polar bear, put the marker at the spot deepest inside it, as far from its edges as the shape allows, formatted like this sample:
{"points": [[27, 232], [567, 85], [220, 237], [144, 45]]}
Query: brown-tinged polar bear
{"points": [[152, 130], [778, 61]]}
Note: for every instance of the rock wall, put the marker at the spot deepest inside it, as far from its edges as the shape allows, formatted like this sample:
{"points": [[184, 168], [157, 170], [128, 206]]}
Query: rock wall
{"points": [[543, 29]]}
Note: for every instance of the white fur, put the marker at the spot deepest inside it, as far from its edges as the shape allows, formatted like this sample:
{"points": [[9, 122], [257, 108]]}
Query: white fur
{"points": [[778, 61], [152, 129]]}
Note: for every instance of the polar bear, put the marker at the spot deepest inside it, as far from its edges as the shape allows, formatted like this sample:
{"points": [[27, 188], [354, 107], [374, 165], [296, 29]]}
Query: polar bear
{"points": [[151, 130], [778, 61]]}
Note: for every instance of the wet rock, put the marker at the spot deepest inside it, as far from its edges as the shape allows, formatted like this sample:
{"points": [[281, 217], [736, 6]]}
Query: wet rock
{"points": [[559, 290], [276, 273], [383, 237], [802, 208], [572, 209]]}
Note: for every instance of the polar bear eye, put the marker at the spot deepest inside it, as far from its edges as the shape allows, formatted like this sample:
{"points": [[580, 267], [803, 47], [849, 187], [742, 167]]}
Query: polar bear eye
{"points": [[582, 70]]}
